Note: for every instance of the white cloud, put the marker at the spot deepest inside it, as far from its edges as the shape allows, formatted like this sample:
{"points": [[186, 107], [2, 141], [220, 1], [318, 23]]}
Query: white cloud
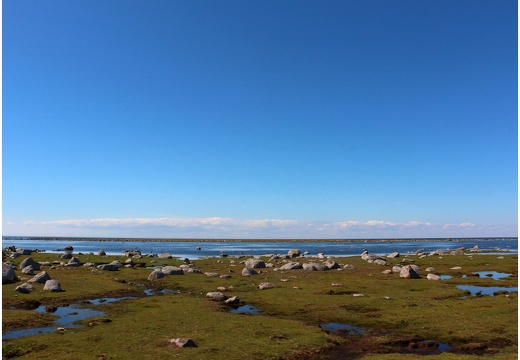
{"points": [[220, 227]]}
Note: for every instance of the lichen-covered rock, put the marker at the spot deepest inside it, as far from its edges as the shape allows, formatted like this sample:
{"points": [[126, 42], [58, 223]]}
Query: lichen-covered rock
{"points": [[52, 285]]}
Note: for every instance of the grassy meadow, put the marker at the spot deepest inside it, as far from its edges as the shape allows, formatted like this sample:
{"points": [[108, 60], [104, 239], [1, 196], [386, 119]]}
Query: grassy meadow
{"points": [[397, 316]]}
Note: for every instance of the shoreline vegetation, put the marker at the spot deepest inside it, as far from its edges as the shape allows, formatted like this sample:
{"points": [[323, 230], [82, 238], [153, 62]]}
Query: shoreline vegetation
{"points": [[120, 239]]}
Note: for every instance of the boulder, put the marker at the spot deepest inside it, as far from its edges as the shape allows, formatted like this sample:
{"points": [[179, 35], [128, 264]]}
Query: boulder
{"points": [[24, 251], [310, 266], [381, 262], [393, 255], [407, 272], [156, 274], [41, 277], [233, 300], [102, 253], [248, 272], [331, 264], [74, 262], [129, 253], [52, 285], [25, 288], [165, 256], [66, 255], [349, 267], [216, 296], [432, 276], [8, 274], [29, 261], [291, 265], [265, 285], [108, 267], [68, 248], [28, 270], [117, 263], [293, 253], [15, 255], [172, 270], [255, 264]]}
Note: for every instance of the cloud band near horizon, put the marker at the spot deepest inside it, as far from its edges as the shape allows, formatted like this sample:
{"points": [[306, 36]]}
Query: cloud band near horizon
{"points": [[220, 227]]}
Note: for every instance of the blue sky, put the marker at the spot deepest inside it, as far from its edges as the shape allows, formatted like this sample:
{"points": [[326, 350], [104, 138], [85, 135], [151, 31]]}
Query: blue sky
{"points": [[260, 119]]}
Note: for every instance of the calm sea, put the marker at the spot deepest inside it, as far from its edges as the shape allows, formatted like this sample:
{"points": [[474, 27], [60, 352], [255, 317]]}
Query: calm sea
{"points": [[188, 249]]}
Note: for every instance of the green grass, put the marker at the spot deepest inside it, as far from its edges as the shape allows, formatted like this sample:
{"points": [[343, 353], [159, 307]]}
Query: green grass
{"points": [[291, 312]]}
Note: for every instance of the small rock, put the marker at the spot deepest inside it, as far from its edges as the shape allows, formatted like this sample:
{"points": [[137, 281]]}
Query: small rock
{"points": [[216, 296], [52, 285], [265, 285], [432, 276], [25, 288], [358, 295], [182, 342], [42, 277]]}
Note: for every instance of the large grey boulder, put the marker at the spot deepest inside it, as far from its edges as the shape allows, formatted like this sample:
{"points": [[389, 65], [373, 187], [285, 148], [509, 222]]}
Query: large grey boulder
{"points": [[407, 272], [102, 253], [255, 263], [172, 270], [156, 274], [66, 255], [248, 272], [310, 266], [393, 255], [52, 285], [74, 262], [29, 261], [8, 274], [108, 267], [165, 256], [117, 263], [293, 253], [25, 288], [129, 253], [40, 278], [331, 264], [292, 265]]}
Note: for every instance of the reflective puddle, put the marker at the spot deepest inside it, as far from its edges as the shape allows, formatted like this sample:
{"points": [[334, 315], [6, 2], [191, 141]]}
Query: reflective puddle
{"points": [[246, 309], [342, 327], [151, 292], [485, 290], [492, 274]]}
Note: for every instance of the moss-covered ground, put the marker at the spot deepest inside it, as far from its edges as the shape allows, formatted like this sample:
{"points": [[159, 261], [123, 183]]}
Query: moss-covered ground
{"points": [[398, 316]]}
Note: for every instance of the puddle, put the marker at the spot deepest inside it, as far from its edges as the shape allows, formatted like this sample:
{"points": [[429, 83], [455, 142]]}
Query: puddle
{"points": [[443, 347], [342, 327], [67, 315], [485, 290], [492, 274], [151, 292], [246, 309], [445, 277]]}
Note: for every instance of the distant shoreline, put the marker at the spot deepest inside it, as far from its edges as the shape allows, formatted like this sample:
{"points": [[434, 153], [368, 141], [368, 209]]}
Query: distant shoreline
{"points": [[388, 240]]}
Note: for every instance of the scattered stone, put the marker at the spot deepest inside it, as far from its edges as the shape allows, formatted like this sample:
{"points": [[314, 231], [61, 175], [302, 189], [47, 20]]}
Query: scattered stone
{"points": [[165, 256], [216, 296], [233, 300], [393, 255], [212, 274], [456, 268], [182, 342], [52, 285], [117, 263], [25, 288], [156, 274], [66, 255], [432, 276], [29, 261], [265, 285], [349, 267], [331, 264], [255, 263], [396, 268], [74, 262], [358, 295], [102, 253], [41, 277], [387, 272], [407, 272], [172, 270], [294, 253], [248, 272], [28, 270], [108, 267], [292, 265], [430, 269]]}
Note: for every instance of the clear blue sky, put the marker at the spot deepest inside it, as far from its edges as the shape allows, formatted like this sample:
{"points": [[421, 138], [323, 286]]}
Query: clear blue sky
{"points": [[260, 119]]}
